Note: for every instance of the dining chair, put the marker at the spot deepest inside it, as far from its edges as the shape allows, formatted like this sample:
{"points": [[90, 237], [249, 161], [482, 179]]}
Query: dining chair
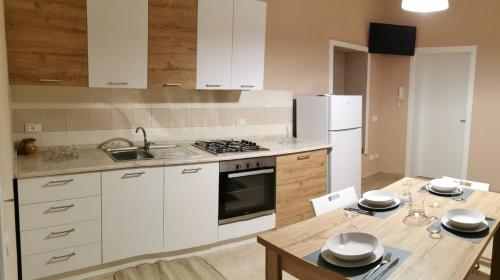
{"points": [[335, 200], [471, 184]]}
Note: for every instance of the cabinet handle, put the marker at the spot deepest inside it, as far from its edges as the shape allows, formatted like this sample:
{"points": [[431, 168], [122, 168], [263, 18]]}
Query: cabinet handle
{"points": [[60, 233], [58, 183], [303, 157], [117, 83], [213, 86], [171, 85], [49, 81], [191, 171], [61, 258], [133, 175], [60, 208], [247, 86]]}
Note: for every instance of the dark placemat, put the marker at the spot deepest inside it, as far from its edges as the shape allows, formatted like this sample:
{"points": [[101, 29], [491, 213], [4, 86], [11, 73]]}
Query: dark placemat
{"points": [[476, 237], [465, 194], [381, 214], [359, 272]]}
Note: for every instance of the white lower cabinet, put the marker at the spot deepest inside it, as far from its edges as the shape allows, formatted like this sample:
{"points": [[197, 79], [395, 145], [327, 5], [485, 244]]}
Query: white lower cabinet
{"points": [[132, 213], [191, 206]]}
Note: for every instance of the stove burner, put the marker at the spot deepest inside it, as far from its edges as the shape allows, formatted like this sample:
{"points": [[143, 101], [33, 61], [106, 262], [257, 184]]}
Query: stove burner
{"points": [[228, 146]]}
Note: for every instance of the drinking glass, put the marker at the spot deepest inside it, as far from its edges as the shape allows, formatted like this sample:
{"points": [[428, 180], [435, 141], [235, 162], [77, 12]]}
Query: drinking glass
{"points": [[416, 214], [406, 196], [434, 206], [351, 215]]}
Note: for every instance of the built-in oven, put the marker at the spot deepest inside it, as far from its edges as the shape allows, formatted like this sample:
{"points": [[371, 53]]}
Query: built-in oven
{"points": [[247, 189]]}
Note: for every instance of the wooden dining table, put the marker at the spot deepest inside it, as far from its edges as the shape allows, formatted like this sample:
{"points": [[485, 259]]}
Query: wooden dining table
{"points": [[446, 258]]}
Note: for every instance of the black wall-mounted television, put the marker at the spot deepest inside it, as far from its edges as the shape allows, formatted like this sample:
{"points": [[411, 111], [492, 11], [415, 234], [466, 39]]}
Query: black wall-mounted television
{"points": [[392, 39]]}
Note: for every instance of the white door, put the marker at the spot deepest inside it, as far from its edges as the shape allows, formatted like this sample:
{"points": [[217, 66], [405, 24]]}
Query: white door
{"points": [[118, 43], [132, 213], [442, 87], [345, 160], [249, 43], [215, 44], [191, 206]]}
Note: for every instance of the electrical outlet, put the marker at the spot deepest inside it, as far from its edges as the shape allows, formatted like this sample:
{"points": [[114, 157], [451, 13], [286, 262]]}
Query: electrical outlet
{"points": [[372, 156], [375, 119], [32, 128], [241, 122]]}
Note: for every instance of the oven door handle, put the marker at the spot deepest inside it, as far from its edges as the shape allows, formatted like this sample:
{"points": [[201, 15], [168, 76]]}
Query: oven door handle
{"points": [[250, 173]]}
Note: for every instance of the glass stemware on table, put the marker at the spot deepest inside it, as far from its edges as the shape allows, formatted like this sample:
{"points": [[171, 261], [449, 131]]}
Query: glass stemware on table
{"points": [[417, 198]]}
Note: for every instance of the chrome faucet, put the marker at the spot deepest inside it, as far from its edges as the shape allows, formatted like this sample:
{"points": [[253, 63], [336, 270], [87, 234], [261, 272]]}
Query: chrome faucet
{"points": [[146, 143]]}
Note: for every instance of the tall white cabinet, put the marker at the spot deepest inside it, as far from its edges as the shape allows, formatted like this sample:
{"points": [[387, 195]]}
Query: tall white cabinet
{"points": [[132, 213], [231, 44], [117, 43], [191, 206]]}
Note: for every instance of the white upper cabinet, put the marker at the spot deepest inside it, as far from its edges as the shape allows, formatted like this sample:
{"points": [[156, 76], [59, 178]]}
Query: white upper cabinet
{"points": [[118, 43], [231, 44], [215, 40], [249, 43]]}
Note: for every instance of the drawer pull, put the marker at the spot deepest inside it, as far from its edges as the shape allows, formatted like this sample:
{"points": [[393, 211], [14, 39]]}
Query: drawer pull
{"points": [[56, 259], [303, 157], [171, 85], [49, 81], [133, 175], [191, 171], [213, 86], [247, 86], [56, 234], [59, 208], [58, 183], [117, 83]]}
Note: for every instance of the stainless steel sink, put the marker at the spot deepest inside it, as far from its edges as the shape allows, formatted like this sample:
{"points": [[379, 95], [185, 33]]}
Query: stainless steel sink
{"points": [[129, 154]]}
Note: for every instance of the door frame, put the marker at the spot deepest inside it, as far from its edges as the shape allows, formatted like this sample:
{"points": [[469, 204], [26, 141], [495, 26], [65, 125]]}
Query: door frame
{"points": [[331, 73], [412, 135]]}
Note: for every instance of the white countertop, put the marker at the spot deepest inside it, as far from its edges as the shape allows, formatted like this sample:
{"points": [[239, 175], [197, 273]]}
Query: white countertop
{"points": [[95, 160]]}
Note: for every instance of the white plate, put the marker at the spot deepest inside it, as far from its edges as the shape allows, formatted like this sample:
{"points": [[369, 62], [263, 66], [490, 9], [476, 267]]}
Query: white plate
{"points": [[444, 185], [448, 224], [458, 191], [363, 203], [379, 198], [465, 218], [329, 257], [352, 246]]}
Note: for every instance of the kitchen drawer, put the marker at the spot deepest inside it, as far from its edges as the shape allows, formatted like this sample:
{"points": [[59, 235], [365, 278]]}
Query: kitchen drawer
{"points": [[54, 188], [60, 261], [62, 212], [59, 237]]}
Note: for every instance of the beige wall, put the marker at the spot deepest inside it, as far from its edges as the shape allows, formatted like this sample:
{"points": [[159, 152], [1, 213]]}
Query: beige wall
{"points": [[468, 23], [298, 33]]}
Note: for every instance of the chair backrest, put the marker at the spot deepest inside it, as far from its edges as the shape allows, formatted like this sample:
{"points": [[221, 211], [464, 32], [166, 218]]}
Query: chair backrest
{"points": [[330, 202], [471, 184]]}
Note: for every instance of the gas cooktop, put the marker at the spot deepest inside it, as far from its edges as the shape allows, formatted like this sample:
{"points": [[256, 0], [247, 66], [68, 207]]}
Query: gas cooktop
{"points": [[228, 146]]}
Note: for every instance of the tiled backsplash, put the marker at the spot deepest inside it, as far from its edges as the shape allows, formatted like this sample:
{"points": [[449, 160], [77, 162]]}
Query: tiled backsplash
{"points": [[90, 116]]}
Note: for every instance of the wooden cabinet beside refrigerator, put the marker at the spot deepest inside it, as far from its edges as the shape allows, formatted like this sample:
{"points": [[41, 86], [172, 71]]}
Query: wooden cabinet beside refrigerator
{"points": [[299, 178]]}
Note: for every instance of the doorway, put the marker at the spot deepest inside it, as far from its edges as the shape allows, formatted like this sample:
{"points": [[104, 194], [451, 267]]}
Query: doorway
{"points": [[440, 109]]}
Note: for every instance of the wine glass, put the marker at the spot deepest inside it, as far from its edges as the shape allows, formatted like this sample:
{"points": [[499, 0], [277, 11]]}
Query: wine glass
{"points": [[350, 215]]}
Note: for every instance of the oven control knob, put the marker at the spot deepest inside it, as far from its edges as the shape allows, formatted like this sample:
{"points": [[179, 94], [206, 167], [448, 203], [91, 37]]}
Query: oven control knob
{"points": [[257, 164], [249, 165], [238, 167]]}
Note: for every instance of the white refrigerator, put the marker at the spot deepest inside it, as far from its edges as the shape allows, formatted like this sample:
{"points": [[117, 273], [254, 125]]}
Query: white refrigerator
{"points": [[338, 120]]}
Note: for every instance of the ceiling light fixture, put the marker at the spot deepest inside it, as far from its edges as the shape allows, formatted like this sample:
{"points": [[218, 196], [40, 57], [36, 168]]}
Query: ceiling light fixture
{"points": [[425, 6]]}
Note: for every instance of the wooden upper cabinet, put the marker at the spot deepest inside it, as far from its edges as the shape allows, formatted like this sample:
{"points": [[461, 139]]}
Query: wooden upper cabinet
{"points": [[47, 42], [172, 43]]}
